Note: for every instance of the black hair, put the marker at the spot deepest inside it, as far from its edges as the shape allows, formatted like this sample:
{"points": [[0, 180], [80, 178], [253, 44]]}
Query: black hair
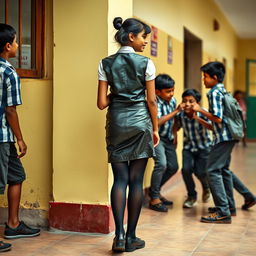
{"points": [[164, 81], [7, 35], [192, 92], [214, 68], [237, 92], [130, 25]]}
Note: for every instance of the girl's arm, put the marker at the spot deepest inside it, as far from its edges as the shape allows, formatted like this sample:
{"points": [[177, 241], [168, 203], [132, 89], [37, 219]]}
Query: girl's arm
{"points": [[203, 122], [103, 99], [152, 106]]}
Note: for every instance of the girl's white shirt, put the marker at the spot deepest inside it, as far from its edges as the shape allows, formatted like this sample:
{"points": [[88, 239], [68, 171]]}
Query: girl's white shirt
{"points": [[150, 71]]}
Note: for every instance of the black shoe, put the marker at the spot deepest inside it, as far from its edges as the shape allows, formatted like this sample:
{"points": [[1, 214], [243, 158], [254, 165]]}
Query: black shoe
{"points": [[21, 231], [248, 203], [118, 245], [216, 218], [158, 207], [214, 209], [166, 201], [4, 247], [133, 244]]}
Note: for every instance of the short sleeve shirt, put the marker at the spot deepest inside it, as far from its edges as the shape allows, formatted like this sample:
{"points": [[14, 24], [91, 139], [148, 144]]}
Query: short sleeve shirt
{"points": [[164, 108], [9, 96], [196, 136], [150, 71], [220, 130]]}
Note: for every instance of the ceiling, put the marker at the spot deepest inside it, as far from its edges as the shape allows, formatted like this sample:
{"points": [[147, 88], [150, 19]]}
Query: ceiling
{"points": [[242, 16]]}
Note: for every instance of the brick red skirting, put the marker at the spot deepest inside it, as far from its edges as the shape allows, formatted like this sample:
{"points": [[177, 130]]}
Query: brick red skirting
{"points": [[90, 218], [81, 217]]}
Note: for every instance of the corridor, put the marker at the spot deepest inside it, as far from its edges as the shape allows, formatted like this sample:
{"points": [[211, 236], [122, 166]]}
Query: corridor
{"points": [[176, 233]]}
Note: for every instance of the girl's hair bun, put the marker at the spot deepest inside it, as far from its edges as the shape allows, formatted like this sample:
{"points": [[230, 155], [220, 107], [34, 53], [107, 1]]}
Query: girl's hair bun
{"points": [[118, 21]]}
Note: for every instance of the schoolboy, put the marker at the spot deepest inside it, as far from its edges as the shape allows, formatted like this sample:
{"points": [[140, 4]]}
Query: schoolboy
{"points": [[11, 169], [166, 164], [219, 175], [196, 146]]}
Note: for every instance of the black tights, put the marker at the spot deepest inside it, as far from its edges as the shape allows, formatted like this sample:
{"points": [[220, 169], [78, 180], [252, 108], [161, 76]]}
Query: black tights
{"points": [[127, 173]]}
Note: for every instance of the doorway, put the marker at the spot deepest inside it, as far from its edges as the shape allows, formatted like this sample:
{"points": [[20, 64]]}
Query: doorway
{"points": [[251, 98], [192, 61]]}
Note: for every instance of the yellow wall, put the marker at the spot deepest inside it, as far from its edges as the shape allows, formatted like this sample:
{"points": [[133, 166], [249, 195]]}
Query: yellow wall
{"points": [[36, 122], [79, 157], [35, 116], [246, 50]]}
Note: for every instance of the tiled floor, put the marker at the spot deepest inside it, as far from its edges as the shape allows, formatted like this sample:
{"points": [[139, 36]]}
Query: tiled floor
{"points": [[176, 233]]}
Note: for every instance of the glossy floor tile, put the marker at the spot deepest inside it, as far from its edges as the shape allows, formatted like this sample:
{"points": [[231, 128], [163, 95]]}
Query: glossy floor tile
{"points": [[176, 233]]}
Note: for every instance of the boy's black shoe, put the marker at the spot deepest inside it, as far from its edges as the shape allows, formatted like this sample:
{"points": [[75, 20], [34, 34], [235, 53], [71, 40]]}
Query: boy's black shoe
{"points": [[158, 207], [21, 231], [214, 209], [118, 245], [248, 203], [5, 246], [166, 201], [133, 244], [216, 218]]}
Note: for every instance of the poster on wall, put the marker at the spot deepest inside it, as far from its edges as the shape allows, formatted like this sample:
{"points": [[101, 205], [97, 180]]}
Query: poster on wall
{"points": [[169, 50], [153, 41], [25, 59]]}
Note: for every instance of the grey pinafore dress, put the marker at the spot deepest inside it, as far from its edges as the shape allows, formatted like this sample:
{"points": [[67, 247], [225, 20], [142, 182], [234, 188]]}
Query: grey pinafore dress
{"points": [[128, 125]]}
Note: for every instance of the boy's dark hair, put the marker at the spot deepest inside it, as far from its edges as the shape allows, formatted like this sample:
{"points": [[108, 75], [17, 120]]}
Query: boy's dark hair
{"points": [[130, 25], [237, 92], [164, 81], [192, 92], [7, 35], [214, 68]]}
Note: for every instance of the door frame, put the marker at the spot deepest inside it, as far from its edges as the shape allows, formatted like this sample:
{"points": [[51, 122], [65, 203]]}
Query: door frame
{"points": [[248, 61], [250, 99]]}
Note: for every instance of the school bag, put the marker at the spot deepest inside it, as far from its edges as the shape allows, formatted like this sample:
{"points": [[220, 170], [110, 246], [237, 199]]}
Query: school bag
{"points": [[233, 116]]}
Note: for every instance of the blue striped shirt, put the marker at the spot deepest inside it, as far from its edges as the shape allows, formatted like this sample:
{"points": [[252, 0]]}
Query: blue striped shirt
{"points": [[9, 96], [164, 108], [220, 130], [195, 135]]}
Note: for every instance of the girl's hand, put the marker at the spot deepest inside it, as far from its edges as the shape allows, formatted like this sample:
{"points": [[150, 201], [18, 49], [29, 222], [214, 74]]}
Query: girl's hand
{"points": [[156, 138]]}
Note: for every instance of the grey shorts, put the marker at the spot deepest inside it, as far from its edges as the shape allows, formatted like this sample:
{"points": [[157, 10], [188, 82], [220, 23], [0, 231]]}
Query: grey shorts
{"points": [[11, 169]]}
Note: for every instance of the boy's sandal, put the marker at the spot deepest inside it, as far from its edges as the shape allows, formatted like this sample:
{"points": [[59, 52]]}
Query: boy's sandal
{"points": [[158, 207], [5, 246]]}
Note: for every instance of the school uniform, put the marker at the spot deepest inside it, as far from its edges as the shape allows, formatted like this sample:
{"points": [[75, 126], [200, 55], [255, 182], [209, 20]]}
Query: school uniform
{"points": [[128, 126], [196, 148], [166, 164], [11, 169], [219, 175]]}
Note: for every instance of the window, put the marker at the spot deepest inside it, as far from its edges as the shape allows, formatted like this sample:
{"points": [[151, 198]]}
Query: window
{"points": [[26, 16]]}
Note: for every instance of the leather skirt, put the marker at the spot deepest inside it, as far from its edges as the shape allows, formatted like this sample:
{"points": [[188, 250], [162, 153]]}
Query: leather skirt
{"points": [[128, 132]]}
